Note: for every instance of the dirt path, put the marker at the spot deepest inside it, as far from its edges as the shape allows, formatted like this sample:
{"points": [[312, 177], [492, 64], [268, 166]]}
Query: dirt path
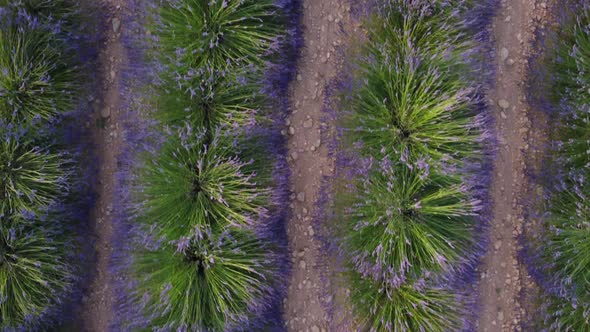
{"points": [[309, 159], [503, 277], [96, 311]]}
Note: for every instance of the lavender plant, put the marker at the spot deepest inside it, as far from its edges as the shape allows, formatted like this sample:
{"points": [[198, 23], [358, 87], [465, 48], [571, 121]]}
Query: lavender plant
{"points": [[35, 276], [31, 178], [36, 78], [209, 98], [418, 93], [198, 179], [414, 306], [406, 222], [208, 280], [220, 33]]}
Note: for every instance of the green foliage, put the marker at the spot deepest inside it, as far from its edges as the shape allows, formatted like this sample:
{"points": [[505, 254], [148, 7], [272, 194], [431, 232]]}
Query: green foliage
{"points": [[33, 270], [219, 33], [411, 307], [211, 280], [407, 222], [198, 180], [416, 92], [31, 178], [36, 79]]}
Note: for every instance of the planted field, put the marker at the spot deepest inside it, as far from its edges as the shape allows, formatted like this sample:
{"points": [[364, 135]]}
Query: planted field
{"points": [[294, 165]]}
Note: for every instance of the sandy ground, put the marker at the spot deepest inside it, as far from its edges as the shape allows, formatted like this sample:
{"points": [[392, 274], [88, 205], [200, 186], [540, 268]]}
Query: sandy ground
{"points": [[309, 160], [503, 277], [97, 306]]}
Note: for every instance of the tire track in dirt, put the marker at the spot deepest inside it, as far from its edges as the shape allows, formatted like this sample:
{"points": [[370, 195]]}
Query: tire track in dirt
{"points": [[502, 277], [96, 312], [309, 159]]}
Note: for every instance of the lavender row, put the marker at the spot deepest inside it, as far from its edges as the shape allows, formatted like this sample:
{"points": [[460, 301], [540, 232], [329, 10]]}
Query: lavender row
{"points": [[413, 150], [205, 197], [557, 255], [44, 195]]}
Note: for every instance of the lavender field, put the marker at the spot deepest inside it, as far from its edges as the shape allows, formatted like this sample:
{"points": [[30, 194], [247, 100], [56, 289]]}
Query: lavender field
{"points": [[294, 165]]}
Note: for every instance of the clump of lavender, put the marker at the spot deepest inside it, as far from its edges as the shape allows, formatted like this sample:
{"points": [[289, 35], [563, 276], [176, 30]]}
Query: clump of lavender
{"points": [[198, 179], [564, 260], [31, 177], [418, 305], [220, 33], [405, 222], [35, 276], [209, 280], [417, 94], [207, 97], [36, 75], [413, 135]]}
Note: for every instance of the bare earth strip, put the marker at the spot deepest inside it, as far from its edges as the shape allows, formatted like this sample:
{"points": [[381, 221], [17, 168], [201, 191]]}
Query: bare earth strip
{"points": [[309, 159], [97, 307], [503, 277]]}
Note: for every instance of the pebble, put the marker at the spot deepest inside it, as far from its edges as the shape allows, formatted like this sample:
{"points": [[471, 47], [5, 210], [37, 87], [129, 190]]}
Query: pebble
{"points": [[301, 197], [302, 264], [291, 130], [116, 24], [308, 123], [498, 245], [315, 329], [503, 115], [504, 53], [105, 112], [503, 103]]}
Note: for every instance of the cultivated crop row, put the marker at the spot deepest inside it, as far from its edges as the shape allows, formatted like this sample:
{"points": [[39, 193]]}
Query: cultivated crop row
{"points": [[413, 139], [208, 197], [40, 73], [561, 259]]}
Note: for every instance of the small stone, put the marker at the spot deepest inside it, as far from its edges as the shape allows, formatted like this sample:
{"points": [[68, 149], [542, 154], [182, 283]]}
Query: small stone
{"points": [[105, 112], [116, 24], [299, 78], [510, 62], [504, 53], [503, 103], [301, 197], [315, 329], [294, 155], [503, 115], [308, 123], [310, 231], [302, 264], [498, 245], [291, 130]]}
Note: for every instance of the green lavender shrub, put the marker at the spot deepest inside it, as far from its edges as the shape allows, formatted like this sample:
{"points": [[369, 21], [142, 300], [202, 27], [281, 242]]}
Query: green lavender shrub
{"points": [[37, 81]]}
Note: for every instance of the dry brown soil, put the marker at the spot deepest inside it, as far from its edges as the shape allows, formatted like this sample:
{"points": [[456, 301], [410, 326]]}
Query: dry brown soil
{"points": [[97, 307], [503, 278], [309, 159]]}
